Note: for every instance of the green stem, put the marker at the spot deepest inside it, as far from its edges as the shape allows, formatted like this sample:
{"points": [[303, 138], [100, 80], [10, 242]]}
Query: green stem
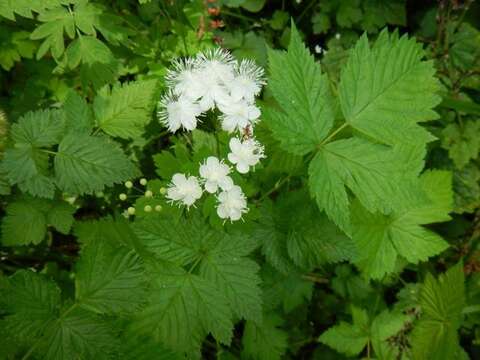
{"points": [[49, 152], [238, 16], [333, 134], [277, 186]]}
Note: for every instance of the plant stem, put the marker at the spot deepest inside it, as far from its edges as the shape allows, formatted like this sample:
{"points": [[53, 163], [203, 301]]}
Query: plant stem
{"points": [[332, 135], [277, 185]]}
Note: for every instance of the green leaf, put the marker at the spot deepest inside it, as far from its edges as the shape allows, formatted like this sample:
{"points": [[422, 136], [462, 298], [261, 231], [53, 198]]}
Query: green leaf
{"points": [[135, 347], [41, 128], [381, 238], [109, 279], [290, 290], [60, 216], [236, 276], [85, 164], [302, 93], [265, 341], [78, 114], [385, 89], [126, 109], [462, 142], [441, 301], [25, 223], [25, 7], [183, 308], [56, 22], [351, 339], [30, 302], [98, 65], [273, 240], [222, 257], [367, 169], [26, 164], [78, 333]]}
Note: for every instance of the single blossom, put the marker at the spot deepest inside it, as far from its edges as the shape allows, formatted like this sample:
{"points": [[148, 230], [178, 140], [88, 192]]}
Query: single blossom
{"points": [[179, 112], [237, 115], [248, 81], [185, 79], [217, 64], [184, 190], [232, 204], [245, 154], [215, 173]]}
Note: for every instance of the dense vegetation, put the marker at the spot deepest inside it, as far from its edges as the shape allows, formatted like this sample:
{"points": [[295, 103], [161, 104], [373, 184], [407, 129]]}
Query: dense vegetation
{"points": [[314, 193]]}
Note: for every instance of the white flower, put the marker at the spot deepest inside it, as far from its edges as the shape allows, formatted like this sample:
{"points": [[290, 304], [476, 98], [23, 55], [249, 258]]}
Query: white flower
{"points": [[178, 112], [237, 115], [245, 154], [185, 79], [215, 174], [232, 204], [217, 64], [248, 82], [213, 92], [183, 189]]}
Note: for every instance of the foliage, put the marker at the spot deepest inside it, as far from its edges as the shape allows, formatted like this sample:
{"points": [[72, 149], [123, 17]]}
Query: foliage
{"points": [[362, 234]]}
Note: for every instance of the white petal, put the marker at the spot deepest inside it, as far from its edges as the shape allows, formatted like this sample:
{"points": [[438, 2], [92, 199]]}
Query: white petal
{"points": [[242, 168]]}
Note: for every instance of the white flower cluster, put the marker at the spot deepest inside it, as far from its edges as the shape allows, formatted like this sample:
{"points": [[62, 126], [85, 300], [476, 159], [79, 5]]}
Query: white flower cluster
{"points": [[215, 80], [212, 80]]}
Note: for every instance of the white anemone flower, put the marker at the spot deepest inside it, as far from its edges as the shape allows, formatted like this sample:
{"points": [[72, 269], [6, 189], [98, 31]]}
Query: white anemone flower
{"points": [[215, 173], [184, 190], [248, 81], [232, 204], [178, 111], [245, 154], [238, 115]]}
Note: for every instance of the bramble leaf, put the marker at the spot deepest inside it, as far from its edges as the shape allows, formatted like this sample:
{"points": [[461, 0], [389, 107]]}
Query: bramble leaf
{"points": [[124, 110], [303, 95], [85, 164]]}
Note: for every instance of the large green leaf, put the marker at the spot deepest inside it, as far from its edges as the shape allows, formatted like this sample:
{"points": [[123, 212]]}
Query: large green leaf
{"points": [[124, 110], [442, 301], [109, 279], [381, 238], [303, 94], [85, 164], [385, 89]]}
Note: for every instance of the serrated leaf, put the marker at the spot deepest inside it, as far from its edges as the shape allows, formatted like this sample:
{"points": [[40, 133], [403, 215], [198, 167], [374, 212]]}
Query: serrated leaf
{"points": [[84, 164], [56, 22], [182, 309], [25, 7], [78, 333], [367, 169], [442, 301], [274, 245], [236, 276], [78, 114], [109, 279], [24, 224], [60, 216], [265, 341], [302, 93], [126, 109], [381, 238], [289, 291], [41, 128], [376, 93], [462, 142], [222, 258], [98, 65], [30, 302]]}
